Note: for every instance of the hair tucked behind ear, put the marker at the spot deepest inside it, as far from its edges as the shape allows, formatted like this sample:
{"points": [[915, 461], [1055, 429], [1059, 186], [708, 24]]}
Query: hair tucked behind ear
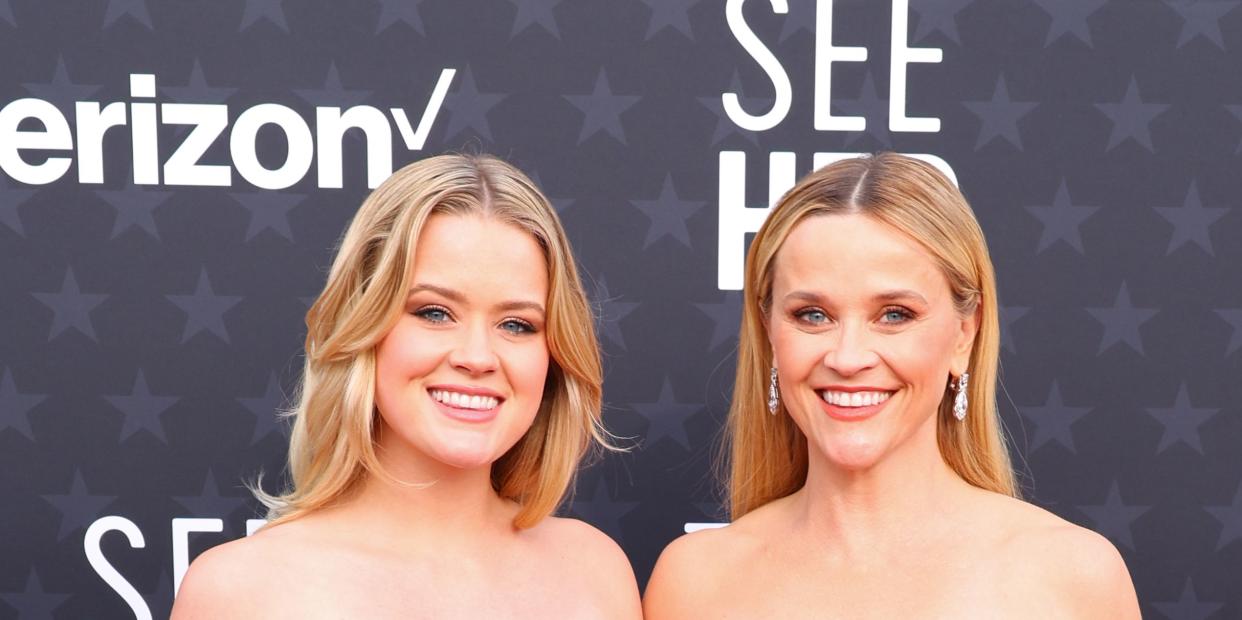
{"points": [[332, 447], [768, 454]]}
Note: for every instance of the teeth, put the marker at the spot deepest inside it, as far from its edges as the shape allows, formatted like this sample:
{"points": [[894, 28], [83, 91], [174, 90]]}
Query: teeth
{"points": [[854, 399], [464, 401]]}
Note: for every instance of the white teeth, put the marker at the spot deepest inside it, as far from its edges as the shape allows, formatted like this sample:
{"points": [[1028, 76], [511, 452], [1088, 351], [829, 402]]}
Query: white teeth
{"points": [[464, 401], [854, 399]]}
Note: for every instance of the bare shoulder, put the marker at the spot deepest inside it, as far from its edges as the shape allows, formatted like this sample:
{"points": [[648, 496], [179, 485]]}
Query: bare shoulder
{"points": [[692, 569], [596, 557], [225, 581], [1085, 569]]}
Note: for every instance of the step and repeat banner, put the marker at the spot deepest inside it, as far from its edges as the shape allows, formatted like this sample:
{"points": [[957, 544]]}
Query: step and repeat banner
{"points": [[173, 176]]}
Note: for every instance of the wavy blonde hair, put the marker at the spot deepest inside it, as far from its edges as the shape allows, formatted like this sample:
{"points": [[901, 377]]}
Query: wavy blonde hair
{"points": [[332, 447], [768, 454]]}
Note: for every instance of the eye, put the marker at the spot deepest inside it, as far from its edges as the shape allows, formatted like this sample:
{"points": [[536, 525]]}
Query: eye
{"points": [[433, 314], [517, 326], [811, 316], [896, 315]]}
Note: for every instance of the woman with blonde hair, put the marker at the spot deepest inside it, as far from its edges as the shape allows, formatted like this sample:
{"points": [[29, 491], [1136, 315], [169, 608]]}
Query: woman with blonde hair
{"points": [[452, 384], [869, 476]]}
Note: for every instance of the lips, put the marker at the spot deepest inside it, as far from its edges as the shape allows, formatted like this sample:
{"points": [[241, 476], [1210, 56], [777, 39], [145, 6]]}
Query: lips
{"points": [[854, 399], [849, 404], [462, 400]]}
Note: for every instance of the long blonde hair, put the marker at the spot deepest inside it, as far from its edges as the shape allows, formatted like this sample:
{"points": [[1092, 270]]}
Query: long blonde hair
{"points": [[768, 454], [332, 447]]}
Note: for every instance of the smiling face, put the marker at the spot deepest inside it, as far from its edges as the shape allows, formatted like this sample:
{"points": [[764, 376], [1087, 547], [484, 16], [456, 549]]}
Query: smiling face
{"points": [[865, 337], [460, 376]]}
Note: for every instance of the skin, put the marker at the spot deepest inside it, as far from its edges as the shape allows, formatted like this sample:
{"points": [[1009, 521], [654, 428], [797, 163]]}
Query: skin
{"points": [[441, 545], [883, 527]]}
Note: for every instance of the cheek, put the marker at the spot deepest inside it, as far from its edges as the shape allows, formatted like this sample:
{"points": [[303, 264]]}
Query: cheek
{"points": [[528, 370], [402, 356], [920, 357]]}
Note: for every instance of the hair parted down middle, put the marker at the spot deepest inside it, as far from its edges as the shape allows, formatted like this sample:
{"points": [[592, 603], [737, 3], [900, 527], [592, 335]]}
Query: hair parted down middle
{"points": [[767, 455], [332, 447]]}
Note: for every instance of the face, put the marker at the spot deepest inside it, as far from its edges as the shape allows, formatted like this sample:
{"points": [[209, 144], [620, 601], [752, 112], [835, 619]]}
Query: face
{"points": [[460, 376], [864, 336]]}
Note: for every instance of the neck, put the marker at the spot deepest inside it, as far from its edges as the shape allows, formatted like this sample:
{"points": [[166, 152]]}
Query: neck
{"points": [[910, 494]]}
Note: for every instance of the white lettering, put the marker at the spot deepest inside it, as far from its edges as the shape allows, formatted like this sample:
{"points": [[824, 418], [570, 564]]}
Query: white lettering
{"points": [[93, 123], [825, 54], [103, 568], [142, 129], [181, 528], [330, 127], [297, 135], [901, 56], [415, 140], [209, 121], [55, 136], [770, 65]]}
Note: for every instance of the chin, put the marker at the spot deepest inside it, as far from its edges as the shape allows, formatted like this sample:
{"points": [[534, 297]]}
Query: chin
{"points": [[854, 453]]}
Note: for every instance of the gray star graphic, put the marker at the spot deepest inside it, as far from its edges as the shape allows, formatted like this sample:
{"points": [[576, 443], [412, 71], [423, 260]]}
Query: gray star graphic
{"points": [[393, 11], [667, 215], [34, 601], [611, 312], [560, 204], [667, 417], [1181, 421], [134, 8], [725, 315], [530, 13], [467, 107], [197, 90], [71, 307], [6, 13], [264, 9], [10, 200], [134, 206], [1188, 607], [1230, 518], [1234, 318], [1122, 322], [602, 510], [674, 13], [872, 107], [1061, 220], [267, 410], [1201, 18], [210, 503], [1131, 118], [61, 91], [999, 117], [1053, 420], [204, 310], [1069, 17], [801, 17], [1191, 221], [1113, 518], [79, 508], [332, 93], [602, 110], [941, 16], [142, 409], [725, 125], [1008, 316], [268, 211], [15, 406]]}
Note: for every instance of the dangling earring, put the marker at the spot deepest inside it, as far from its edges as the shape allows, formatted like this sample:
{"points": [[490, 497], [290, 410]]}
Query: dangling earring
{"points": [[773, 398], [959, 400]]}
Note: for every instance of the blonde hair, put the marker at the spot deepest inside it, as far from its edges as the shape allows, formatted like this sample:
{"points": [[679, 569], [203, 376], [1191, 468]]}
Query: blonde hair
{"points": [[332, 447], [768, 454]]}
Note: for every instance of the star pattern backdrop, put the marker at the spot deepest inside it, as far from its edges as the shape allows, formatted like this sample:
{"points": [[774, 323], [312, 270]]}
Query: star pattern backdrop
{"points": [[149, 333]]}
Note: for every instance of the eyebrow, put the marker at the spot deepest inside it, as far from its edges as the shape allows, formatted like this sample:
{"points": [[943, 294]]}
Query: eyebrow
{"points": [[886, 296], [459, 297]]}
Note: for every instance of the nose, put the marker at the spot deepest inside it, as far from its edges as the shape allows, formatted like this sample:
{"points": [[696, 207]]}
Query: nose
{"points": [[851, 351], [474, 354]]}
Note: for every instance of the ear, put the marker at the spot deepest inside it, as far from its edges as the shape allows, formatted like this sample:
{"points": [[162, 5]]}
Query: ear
{"points": [[964, 343]]}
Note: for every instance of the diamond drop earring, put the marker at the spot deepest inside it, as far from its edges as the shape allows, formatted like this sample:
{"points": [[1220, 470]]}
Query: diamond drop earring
{"points": [[959, 400], [773, 398]]}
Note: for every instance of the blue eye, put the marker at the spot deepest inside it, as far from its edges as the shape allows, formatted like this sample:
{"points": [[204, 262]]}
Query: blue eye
{"points": [[813, 316], [432, 314], [517, 326], [896, 315]]}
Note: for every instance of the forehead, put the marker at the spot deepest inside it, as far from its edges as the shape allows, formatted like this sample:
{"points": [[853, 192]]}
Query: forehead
{"points": [[480, 255], [853, 255]]}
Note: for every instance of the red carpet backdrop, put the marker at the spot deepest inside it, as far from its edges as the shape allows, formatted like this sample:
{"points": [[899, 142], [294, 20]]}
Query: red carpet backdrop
{"points": [[173, 176]]}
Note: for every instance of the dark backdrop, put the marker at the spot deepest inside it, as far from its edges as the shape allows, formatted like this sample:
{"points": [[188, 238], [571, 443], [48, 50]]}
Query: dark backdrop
{"points": [[151, 304]]}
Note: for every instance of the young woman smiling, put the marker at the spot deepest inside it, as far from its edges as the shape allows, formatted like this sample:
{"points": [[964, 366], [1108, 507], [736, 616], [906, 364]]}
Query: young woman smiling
{"points": [[452, 384], [869, 477]]}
